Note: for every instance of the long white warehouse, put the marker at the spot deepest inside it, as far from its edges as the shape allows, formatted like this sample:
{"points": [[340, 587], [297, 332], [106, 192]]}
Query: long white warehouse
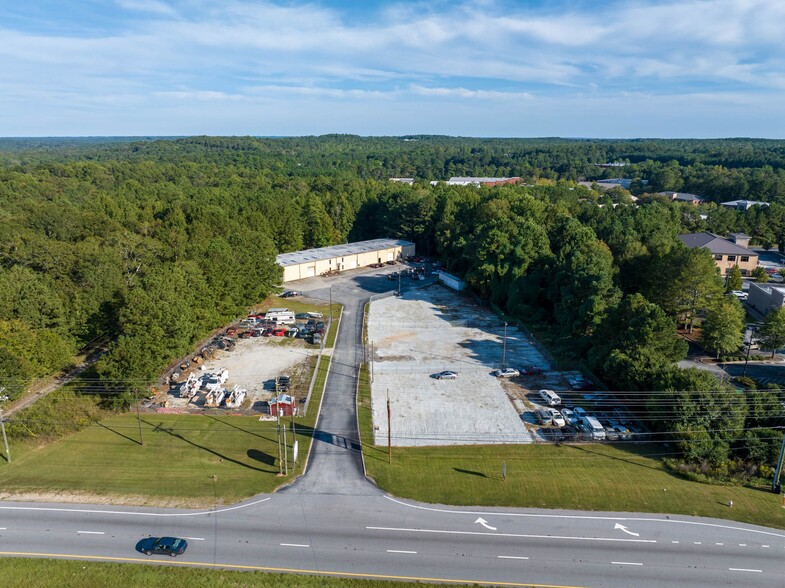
{"points": [[315, 262]]}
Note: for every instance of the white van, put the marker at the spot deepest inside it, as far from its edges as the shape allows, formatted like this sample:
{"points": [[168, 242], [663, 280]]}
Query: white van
{"points": [[282, 316], [597, 430], [550, 398]]}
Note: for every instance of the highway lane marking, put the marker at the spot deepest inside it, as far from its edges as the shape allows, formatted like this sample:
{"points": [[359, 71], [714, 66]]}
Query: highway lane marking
{"points": [[511, 557], [136, 513], [174, 562], [194, 538], [697, 543], [764, 545], [674, 541], [401, 551], [626, 563], [584, 517], [742, 545], [91, 532], [719, 544], [294, 545], [447, 532], [745, 570]]}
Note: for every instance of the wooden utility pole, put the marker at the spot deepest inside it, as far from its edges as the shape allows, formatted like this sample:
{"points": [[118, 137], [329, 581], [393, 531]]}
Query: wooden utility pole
{"points": [[3, 398], [389, 429], [138, 418], [278, 433]]}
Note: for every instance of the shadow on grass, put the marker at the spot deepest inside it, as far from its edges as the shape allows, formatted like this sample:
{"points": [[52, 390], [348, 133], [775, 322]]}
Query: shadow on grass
{"points": [[605, 455], [131, 439], [228, 424], [261, 456], [470, 472], [161, 429]]}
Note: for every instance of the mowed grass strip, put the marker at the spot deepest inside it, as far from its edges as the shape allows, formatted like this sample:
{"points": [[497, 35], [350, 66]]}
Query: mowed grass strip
{"points": [[192, 460], [79, 574], [596, 477]]}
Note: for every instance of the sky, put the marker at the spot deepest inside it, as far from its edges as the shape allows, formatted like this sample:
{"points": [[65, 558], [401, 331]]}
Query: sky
{"points": [[485, 68]]}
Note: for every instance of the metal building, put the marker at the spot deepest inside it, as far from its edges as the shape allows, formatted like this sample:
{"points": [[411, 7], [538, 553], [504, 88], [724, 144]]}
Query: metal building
{"points": [[315, 262]]}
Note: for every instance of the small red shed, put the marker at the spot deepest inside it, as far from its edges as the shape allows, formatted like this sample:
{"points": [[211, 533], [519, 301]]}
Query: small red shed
{"points": [[283, 405]]}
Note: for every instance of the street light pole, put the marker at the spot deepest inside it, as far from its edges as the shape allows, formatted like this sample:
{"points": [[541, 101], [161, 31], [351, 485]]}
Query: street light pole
{"points": [[331, 303], [3, 398], [749, 346], [504, 348]]}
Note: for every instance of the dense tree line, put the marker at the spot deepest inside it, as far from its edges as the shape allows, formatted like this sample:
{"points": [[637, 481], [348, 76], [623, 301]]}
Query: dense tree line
{"points": [[149, 245]]}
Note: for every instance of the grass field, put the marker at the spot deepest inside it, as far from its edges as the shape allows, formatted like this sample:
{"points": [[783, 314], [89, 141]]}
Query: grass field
{"points": [[78, 574], [597, 477]]}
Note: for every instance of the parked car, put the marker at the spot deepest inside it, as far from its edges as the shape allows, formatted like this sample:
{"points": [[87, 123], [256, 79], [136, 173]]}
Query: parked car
{"points": [[544, 417], [580, 413], [291, 294], [623, 432], [445, 375], [531, 370], [506, 373], [569, 432], [302, 316], [569, 416], [162, 545], [557, 418], [740, 294]]}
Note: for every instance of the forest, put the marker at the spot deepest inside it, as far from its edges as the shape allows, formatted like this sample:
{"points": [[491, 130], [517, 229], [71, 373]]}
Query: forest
{"points": [[141, 247]]}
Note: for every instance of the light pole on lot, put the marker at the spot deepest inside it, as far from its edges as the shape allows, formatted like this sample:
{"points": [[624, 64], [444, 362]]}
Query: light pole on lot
{"points": [[749, 346], [3, 398], [331, 302], [504, 347]]}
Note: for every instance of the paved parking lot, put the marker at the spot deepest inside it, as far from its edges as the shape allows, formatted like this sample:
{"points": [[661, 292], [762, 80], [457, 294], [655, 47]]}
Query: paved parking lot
{"points": [[432, 330]]}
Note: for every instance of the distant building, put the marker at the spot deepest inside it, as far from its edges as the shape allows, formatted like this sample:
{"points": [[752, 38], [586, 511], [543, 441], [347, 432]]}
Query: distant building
{"points": [[614, 182], [743, 204], [409, 181], [766, 297], [315, 262], [683, 197], [726, 253], [451, 281], [472, 181], [283, 405], [612, 164]]}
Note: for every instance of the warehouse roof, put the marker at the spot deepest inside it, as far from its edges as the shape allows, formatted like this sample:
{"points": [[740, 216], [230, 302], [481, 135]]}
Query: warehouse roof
{"points": [[309, 255]]}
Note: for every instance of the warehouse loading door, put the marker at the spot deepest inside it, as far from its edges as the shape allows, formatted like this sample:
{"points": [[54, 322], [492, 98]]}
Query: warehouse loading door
{"points": [[310, 271]]}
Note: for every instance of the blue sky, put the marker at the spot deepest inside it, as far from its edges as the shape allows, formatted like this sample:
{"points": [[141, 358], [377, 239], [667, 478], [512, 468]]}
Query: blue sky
{"points": [[570, 68]]}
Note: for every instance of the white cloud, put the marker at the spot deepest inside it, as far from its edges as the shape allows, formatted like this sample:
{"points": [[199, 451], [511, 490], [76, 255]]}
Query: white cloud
{"points": [[153, 6]]}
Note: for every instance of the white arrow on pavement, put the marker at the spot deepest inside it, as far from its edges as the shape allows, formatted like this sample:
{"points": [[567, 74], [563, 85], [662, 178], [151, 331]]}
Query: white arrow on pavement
{"points": [[485, 524], [623, 528]]}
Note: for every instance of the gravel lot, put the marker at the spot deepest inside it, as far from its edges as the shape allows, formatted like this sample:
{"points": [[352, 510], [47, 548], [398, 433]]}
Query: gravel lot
{"points": [[253, 364], [430, 330]]}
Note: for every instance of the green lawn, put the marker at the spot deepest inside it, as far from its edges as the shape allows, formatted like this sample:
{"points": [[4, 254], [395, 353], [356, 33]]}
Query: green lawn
{"points": [[80, 574], [583, 477]]}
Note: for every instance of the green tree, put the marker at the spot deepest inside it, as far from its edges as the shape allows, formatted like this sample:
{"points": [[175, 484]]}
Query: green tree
{"points": [[734, 279], [723, 328], [771, 335], [760, 275]]}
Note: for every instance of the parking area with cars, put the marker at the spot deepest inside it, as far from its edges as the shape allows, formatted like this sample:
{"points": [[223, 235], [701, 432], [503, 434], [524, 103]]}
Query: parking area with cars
{"points": [[451, 377]]}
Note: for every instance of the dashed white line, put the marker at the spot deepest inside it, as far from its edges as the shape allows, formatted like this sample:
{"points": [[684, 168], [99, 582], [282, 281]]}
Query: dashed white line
{"points": [[400, 551], [697, 543], [719, 544], [674, 541], [742, 545], [194, 538], [626, 563], [764, 545], [2, 528], [91, 532], [511, 557], [745, 570], [517, 535], [294, 545]]}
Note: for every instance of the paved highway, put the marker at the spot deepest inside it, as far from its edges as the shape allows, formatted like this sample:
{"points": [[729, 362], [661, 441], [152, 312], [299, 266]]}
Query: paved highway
{"points": [[333, 522]]}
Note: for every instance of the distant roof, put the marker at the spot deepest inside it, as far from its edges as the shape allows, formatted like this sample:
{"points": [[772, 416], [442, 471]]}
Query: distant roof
{"points": [[746, 204], [715, 244], [464, 180], [298, 257], [682, 196]]}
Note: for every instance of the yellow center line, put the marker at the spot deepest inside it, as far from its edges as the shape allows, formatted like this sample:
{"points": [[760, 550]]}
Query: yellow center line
{"points": [[172, 561]]}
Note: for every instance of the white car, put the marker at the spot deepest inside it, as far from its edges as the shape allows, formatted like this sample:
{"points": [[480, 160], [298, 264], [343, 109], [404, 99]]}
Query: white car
{"points": [[506, 373], [624, 432], [446, 375], [740, 294], [557, 418]]}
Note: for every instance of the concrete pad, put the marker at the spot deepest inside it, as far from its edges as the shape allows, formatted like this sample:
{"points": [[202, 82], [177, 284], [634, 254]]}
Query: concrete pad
{"points": [[431, 330]]}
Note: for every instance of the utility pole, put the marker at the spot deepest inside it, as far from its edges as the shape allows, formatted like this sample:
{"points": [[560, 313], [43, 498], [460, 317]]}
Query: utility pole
{"points": [[331, 303], [285, 451], [504, 348], [749, 346], [389, 429], [3, 398], [775, 483], [138, 418], [371, 362], [399, 283], [278, 433]]}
